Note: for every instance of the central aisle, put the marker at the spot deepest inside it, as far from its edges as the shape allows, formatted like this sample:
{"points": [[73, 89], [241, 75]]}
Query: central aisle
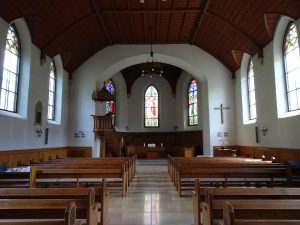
{"points": [[151, 200]]}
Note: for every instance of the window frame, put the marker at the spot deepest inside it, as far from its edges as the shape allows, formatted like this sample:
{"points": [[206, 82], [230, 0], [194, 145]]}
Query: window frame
{"points": [[285, 72], [158, 108], [54, 92], [250, 116], [18, 70], [188, 104]]}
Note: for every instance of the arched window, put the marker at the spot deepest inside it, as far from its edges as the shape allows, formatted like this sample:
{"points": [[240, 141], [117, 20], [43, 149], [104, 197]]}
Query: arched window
{"points": [[10, 74], [52, 92], [193, 103], [110, 106], [151, 107], [291, 54], [251, 91]]}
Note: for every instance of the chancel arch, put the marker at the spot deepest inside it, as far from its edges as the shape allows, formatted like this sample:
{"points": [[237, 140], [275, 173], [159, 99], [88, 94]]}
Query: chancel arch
{"points": [[87, 76]]}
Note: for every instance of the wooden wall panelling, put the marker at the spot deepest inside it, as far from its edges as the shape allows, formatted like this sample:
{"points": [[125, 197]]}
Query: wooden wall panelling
{"points": [[170, 140], [288, 155], [3, 158], [246, 151], [13, 158], [280, 154], [84, 151]]}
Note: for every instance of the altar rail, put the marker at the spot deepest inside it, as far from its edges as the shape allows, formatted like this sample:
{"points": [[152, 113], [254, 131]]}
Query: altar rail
{"points": [[20, 157]]}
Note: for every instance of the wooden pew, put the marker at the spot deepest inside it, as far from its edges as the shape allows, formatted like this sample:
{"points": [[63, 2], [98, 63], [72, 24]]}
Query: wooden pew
{"points": [[69, 218], [277, 207], [17, 177], [233, 175], [211, 207], [129, 163], [16, 203], [174, 163], [39, 174]]}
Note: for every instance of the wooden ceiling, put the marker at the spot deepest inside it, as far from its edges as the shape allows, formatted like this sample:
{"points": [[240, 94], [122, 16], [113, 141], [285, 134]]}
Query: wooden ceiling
{"points": [[77, 29]]}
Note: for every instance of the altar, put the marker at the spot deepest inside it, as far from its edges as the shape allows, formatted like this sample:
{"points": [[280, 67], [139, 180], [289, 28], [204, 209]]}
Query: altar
{"points": [[154, 152]]}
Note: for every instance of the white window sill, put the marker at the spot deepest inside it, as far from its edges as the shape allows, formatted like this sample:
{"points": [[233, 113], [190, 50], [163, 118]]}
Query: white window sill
{"points": [[11, 115], [290, 114], [53, 122], [250, 122]]}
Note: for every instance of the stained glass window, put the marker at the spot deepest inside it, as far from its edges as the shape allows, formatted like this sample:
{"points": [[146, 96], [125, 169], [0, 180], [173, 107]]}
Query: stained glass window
{"points": [[292, 67], [110, 106], [10, 73], [151, 107], [193, 103], [251, 91], [52, 92]]}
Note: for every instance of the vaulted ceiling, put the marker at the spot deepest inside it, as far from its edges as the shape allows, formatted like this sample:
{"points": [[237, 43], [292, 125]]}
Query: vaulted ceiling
{"points": [[77, 29]]}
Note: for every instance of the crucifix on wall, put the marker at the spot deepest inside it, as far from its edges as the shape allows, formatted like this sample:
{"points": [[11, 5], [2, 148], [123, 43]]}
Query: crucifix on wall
{"points": [[221, 108]]}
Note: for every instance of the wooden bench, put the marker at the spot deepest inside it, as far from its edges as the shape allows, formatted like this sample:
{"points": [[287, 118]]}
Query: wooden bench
{"points": [[22, 203], [210, 206], [283, 208], [41, 176], [232, 175], [69, 217], [174, 163], [35, 205], [17, 177], [127, 163]]}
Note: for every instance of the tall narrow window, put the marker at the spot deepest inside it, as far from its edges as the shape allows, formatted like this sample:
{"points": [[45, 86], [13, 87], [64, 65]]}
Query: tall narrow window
{"points": [[193, 103], [10, 74], [291, 54], [110, 106], [251, 91], [52, 92], [151, 107]]}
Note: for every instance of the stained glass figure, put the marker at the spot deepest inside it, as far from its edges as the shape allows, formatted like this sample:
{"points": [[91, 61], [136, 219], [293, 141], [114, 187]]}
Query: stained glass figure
{"points": [[151, 107], [193, 103], [110, 106]]}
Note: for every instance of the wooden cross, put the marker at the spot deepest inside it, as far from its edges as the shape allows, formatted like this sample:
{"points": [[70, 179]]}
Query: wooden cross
{"points": [[221, 108]]}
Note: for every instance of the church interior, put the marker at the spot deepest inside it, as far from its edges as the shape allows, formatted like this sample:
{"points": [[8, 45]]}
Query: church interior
{"points": [[142, 111]]}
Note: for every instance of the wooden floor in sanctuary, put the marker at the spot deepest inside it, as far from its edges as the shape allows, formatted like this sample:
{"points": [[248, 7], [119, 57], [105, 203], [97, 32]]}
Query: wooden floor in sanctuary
{"points": [[152, 199]]}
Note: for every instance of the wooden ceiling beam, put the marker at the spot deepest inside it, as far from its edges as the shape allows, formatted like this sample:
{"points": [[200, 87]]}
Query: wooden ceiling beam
{"points": [[203, 9], [118, 21], [242, 33], [65, 31], [100, 19], [145, 24], [183, 20], [151, 11], [171, 22], [158, 20], [131, 21]]}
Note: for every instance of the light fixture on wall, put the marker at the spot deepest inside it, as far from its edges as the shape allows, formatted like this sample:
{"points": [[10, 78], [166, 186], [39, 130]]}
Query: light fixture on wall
{"points": [[152, 66], [264, 131]]}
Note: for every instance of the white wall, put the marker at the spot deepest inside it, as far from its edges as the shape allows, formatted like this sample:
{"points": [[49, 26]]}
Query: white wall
{"points": [[282, 132], [17, 131], [213, 76]]}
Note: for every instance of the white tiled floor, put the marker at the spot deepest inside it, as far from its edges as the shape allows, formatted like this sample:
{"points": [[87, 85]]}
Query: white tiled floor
{"points": [[151, 200]]}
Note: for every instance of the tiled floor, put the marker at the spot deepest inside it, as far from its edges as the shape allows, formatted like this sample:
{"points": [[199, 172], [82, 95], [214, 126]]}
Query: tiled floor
{"points": [[152, 200]]}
